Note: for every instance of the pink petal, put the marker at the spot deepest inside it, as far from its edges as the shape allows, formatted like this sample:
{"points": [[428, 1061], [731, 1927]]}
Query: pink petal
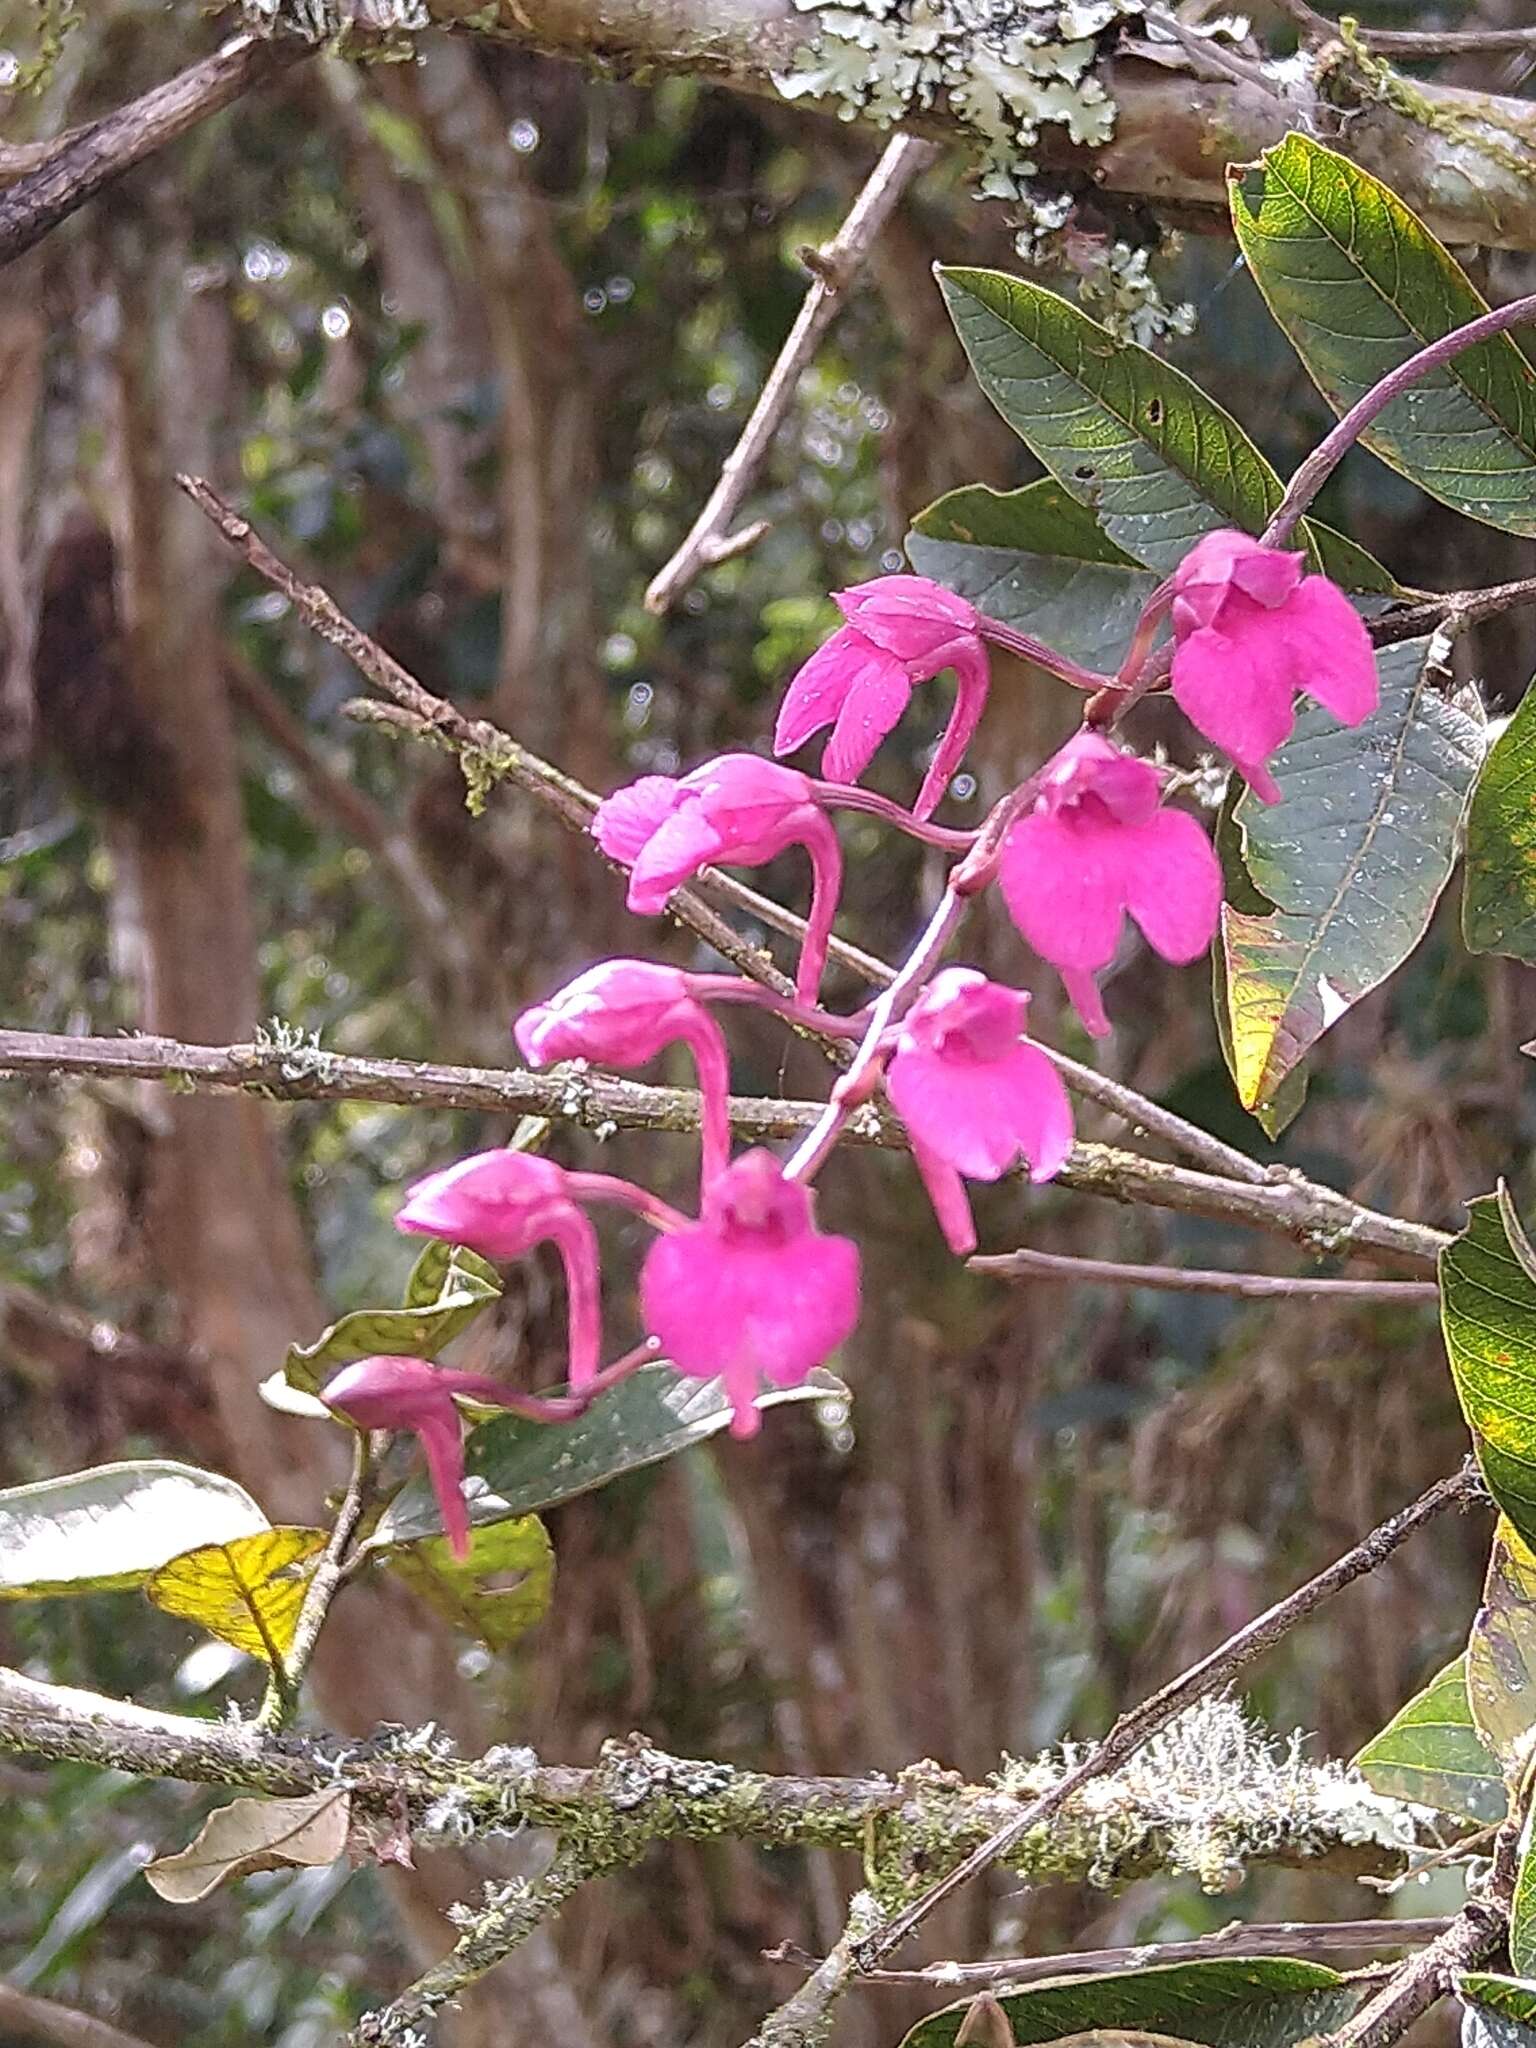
{"points": [[816, 694], [951, 1205], [1032, 1100], [872, 707], [1083, 992], [442, 1439], [972, 678], [950, 1107], [1173, 884], [1330, 649], [685, 842], [1235, 686], [720, 1310], [1062, 881], [624, 821]]}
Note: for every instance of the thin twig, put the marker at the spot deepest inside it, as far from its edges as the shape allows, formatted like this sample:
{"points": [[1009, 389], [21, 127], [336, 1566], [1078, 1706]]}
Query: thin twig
{"points": [[287, 1681], [802, 2020], [512, 1911], [1310, 475], [1242, 1938], [710, 539], [1287, 1204], [1134, 1728], [88, 159], [482, 747], [1453, 608], [1411, 42], [1027, 1264], [1424, 1979]]}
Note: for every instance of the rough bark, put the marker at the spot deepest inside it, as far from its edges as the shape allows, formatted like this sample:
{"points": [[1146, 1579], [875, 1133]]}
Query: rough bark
{"points": [[1174, 135]]}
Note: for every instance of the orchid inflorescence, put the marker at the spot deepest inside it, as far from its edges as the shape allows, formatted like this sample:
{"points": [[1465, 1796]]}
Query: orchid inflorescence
{"points": [[749, 1290]]}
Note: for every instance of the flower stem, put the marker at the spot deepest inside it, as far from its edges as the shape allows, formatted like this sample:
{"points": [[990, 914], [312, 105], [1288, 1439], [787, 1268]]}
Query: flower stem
{"points": [[847, 797], [1331, 450], [1029, 649]]}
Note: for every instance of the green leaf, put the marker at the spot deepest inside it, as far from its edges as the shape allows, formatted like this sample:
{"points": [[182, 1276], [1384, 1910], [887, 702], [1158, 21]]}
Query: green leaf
{"points": [[108, 1529], [1501, 1653], [1124, 433], [1498, 906], [524, 1467], [475, 1594], [1359, 284], [1353, 859], [1500, 2012], [440, 1270], [255, 1834], [1488, 1313], [1267, 2003], [465, 1283], [247, 1592], [1037, 560], [1431, 1753]]}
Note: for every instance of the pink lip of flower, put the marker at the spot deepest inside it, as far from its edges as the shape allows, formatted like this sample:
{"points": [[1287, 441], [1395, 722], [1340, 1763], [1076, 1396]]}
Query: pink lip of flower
{"points": [[739, 810], [1096, 845], [974, 1094], [501, 1204], [622, 1013], [1250, 630], [752, 1291], [410, 1393], [900, 631]]}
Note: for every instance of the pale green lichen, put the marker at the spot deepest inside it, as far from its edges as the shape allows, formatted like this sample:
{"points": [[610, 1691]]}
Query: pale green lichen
{"points": [[331, 21], [1003, 70]]}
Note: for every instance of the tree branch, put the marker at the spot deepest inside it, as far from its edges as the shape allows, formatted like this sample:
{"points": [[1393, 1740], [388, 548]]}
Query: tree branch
{"points": [[62, 2026], [86, 160], [1245, 1938], [1283, 1203], [1161, 149], [1142, 1722], [710, 538], [1027, 1264]]}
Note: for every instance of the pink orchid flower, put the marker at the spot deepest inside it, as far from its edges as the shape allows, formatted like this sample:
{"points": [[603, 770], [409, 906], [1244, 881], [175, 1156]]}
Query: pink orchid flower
{"points": [[752, 1291], [1249, 631], [900, 631], [408, 1393], [974, 1094], [502, 1204], [621, 1013], [1096, 844], [740, 810]]}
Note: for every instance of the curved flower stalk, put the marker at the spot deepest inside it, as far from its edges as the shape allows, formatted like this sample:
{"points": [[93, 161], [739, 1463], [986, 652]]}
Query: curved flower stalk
{"points": [[1097, 844], [975, 1095], [752, 1291], [1250, 629], [739, 810], [502, 1204], [622, 1013]]}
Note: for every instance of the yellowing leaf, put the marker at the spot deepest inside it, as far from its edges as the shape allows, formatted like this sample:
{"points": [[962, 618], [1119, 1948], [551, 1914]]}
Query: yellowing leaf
{"points": [[254, 1834], [248, 1592], [499, 1591], [1501, 1652]]}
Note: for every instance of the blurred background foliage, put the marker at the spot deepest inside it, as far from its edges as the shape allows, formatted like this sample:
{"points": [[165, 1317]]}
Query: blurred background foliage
{"points": [[470, 339]]}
